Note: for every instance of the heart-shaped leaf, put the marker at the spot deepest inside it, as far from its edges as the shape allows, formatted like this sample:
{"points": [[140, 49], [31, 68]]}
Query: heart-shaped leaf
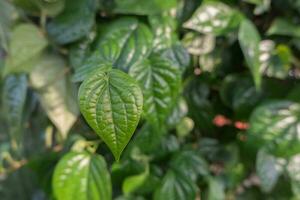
{"points": [[82, 176], [123, 44], [111, 102], [276, 124], [160, 82]]}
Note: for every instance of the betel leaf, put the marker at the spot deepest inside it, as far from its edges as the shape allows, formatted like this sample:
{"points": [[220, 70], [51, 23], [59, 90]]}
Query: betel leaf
{"points": [[160, 83], [293, 169], [284, 27], [82, 176], [26, 43], [267, 169], [111, 102], [143, 7], [249, 40], [276, 125], [166, 41], [189, 163], [214, 18], [56, 93], [176, 186], [13, 100], [74, 22], [123, 43]]}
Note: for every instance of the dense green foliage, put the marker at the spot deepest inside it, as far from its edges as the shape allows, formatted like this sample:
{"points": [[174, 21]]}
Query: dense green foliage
{"points": [[149, 99]]}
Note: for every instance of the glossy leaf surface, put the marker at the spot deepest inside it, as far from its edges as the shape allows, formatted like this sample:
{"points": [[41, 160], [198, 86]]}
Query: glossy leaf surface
{"points": [[111, 102], [82, 176]]}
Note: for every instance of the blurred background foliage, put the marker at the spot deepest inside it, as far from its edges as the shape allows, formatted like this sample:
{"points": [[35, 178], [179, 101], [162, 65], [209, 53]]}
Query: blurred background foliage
{"points": [[234, 132]]}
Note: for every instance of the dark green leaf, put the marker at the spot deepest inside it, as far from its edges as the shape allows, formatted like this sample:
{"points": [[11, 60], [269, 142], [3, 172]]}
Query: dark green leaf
{"points": [[160, 83], [249, 39], [82, 176], [190, 164], [124, 43], [176, 186], [284, 27], [74, 22], [111, 102], [13, 101]]}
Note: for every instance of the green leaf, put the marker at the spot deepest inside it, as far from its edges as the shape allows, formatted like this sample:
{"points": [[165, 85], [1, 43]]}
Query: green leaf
{"points": [[249, 39], [239, 93], [274, 61], [132, 183], [284, 27], [13, 100], [197, 44], [26, 43], [56, 94], [111, 102], [267, 169], [124, 43], [293, 169], [163, 27], [143, 7], [176, 186], [160, 83], [216, 189], [276, 125], [74, 22], [190, 164], [82, 176], [7, 16], [214, 18]]}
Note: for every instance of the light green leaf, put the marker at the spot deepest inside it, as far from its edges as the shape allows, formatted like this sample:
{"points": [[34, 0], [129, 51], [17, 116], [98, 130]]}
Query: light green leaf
{"points": [[13, 100], [56, 94], [276, 125], [284, 27], [82, 176], [143, 7], [294, 173], [74, 22], [132, 183], [216, 189], [176, 186], [26, 43], [160, 83], [267, 169], [249, 39], [111, 102], [214, 18], [124, 43]]}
